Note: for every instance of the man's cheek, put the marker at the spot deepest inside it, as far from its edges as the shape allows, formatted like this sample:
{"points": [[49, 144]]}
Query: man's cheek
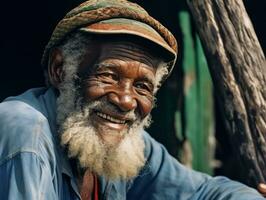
{"points": [[145, 105], [93, 92]]}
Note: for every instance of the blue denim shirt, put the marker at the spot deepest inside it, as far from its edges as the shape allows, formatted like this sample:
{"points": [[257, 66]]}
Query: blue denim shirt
{"points": [[33, 166]]}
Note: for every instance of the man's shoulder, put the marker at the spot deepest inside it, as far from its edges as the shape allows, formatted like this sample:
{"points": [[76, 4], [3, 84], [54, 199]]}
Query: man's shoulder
{"points": [[151, 145], [22, 129]]}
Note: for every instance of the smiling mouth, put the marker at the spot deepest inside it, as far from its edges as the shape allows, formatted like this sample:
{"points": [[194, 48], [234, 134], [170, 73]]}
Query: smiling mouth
{"points": [[110, 118]]}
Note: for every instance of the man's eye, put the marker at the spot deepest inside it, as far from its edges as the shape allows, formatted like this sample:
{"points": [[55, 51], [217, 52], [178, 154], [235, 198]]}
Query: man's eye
{"points": [[144, 86], [108, 75]]}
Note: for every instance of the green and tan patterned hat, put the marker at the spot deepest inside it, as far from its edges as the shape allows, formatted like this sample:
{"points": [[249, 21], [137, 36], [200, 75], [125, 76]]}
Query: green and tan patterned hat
{"points": [[114, 17]]}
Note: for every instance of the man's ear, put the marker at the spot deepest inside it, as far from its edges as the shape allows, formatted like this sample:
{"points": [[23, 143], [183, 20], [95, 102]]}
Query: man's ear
{"points": [[55, 67]]}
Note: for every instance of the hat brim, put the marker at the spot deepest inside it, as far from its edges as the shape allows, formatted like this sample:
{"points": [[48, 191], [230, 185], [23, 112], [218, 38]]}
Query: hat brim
{"points": [[130, 27]]}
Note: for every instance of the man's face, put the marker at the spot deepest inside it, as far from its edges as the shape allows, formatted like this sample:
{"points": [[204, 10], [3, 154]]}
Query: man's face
{"points": [[104, 106], [123, 75]]}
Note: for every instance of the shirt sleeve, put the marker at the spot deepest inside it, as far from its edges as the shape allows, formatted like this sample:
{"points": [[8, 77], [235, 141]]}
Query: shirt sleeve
{"points": [[25, 176], [223, 188], [163, 177]]}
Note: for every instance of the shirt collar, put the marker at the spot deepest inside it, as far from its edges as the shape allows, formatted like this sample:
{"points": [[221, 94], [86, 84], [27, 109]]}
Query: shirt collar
{"points": [[50, 109]]}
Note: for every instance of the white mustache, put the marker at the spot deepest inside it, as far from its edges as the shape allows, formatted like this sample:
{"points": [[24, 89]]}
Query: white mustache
{"points": [[103, 105]]}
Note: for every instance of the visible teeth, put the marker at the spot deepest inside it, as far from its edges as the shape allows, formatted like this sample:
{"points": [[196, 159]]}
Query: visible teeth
{"points": [[108, 117]]}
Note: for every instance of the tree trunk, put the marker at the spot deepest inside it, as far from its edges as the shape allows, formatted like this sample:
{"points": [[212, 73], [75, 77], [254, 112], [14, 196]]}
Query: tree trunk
{"points": [[238, 68]]}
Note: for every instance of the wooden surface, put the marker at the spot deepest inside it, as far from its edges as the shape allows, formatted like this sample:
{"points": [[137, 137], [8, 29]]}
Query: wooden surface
{"points": [[238, 70]]}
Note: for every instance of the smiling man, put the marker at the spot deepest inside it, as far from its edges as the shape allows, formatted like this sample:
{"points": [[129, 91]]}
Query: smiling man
{"points": [[82, 136], [106, 97]]}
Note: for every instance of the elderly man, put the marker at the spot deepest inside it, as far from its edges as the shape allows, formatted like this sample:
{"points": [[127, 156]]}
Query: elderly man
{"points": [[82, 136]]}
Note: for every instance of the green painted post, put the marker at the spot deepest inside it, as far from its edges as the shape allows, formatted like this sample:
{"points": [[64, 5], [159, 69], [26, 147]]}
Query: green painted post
{"points": [[198, 98]]}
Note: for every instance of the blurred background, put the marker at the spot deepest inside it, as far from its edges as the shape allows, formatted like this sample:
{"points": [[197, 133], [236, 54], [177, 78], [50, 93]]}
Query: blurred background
{"points": [[186, 119]]}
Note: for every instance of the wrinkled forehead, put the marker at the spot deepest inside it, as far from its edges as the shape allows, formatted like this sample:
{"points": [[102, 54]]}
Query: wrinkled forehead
{"points": [[129, 50], [119, 48]]}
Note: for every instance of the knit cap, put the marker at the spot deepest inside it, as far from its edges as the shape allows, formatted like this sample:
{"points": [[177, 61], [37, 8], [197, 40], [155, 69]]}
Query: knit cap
{"points": [[114, 17]]}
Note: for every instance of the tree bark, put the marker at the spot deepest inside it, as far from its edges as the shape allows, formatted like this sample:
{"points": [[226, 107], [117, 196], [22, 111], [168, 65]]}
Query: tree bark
{"points": [[238, 69]]}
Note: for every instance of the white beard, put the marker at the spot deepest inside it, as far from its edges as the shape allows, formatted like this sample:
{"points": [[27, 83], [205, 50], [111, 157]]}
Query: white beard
{"points": [[78, 135]]}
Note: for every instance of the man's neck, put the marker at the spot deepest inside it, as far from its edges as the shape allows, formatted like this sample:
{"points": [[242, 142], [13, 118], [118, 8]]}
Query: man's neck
{"points": [[86, 185]]}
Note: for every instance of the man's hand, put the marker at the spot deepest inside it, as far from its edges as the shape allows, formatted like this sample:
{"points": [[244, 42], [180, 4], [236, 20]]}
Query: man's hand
{"points": [[262, 189]]}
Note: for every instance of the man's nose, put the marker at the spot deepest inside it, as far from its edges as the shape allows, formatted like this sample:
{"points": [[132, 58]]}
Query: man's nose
{"points": [[124, 100]]}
